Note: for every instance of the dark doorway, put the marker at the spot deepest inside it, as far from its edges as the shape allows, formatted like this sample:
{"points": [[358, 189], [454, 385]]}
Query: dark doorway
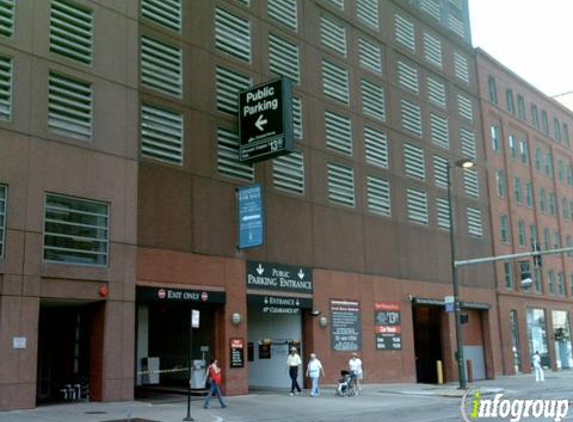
{"points": [[63, 352], [427, 342]]}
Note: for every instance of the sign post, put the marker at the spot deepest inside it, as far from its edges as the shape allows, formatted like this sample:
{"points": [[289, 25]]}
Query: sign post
{"points": [[194, 324], [265, 121]]}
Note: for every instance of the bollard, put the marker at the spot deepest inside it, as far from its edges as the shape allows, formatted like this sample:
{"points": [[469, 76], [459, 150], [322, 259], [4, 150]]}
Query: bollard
{"points": [[439, 370], [470, 370]]}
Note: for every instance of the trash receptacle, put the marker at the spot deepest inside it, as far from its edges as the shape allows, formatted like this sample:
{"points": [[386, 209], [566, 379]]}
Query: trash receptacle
{"points": [[150, 367], [198, 374]]}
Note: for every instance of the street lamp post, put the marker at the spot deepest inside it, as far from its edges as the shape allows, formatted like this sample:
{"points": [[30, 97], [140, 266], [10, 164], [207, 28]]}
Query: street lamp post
{"points": [[465, 164]]}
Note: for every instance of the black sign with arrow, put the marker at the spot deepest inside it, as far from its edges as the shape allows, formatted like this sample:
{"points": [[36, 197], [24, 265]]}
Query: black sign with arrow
{"points": [[265, 121], [279, 277]]}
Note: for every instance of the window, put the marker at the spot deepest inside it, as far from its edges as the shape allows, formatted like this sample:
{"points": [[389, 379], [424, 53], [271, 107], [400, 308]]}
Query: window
{"points": [[534, 116], [436, 92], [565, 209], [76, 231], [512, 143], [443, 213], [561, 291], [500, 182], [475, 227], [465, 107], [509, 105], [432, 8], [229, 84], [337, 3], [232, 34], [338, 130], [457, 26], [504, 228], [373, 100], [542, 199], [492, 89], [538, 159], [340, 184], [533, 235], [161, 134], [284, 12], [548, 164], [566, 136], [468, 144], [411, 117], [333, 35], [569, 175], [439, 130], [379, 196], [3, 200], [556, 240], [520, 107], [417, 204], [441, 166], [284, 58], [561, 171], [508, 275], [288, 173], [165, 13], [433, 50], [161, 66], [6, 67], [461, 68], [335, 82], [407, 76], [228, 163], [414, 162], [521, 233], [557, 130], [376, 147], [517, 190], [495, 143], [70, 106], [551, 282], [71, 31], [370, 55], [367, 12], [544, 122], [297, 117], [524, 152], [546, 239], [404, 32], [7, 9], [528, 194], [471, 183], [537, 280]]}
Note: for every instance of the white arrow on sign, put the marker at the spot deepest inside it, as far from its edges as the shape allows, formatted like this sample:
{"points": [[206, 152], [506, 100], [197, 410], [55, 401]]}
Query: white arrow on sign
{"points": [[301, 274], [251, 217], [260, 269], [261, 121]]}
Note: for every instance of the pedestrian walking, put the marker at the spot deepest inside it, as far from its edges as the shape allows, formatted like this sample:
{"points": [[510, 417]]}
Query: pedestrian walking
{"points": [[213, 377], [314, 370], [293, 363], [355, 368], [539, 375]]}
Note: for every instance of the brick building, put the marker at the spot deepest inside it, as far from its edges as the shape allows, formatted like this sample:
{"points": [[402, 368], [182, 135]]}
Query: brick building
{"points": [[118, 176]]}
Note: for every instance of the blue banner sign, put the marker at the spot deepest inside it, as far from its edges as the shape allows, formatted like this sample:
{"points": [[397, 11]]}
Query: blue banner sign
{"points": [[250, 216]]}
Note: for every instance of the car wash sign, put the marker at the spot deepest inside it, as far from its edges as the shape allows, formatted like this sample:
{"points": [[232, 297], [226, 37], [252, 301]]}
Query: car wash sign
{"points": [[265, 121], [279, 277]]}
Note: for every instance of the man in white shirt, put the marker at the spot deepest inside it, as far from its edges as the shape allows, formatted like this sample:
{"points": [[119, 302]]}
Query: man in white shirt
{"points": [[355, 368], [293, 362], [539, 375]]}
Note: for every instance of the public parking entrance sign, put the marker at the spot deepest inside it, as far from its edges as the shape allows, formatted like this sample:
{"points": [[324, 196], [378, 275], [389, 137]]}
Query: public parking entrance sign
{"points": [[265, 121]]}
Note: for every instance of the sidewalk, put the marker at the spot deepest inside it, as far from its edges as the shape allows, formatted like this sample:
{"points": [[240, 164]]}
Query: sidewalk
{"points": [[255, 406]]}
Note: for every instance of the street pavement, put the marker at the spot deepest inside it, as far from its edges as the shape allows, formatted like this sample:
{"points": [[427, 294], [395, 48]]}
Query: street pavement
{"points": [[377, 402]]}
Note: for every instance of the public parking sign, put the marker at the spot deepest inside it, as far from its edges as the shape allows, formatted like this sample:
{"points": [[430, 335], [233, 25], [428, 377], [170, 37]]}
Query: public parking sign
{"points": [[265, 121]]}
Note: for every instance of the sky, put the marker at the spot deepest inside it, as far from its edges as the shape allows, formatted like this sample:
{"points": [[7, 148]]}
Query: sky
{"points": [[533, 38]]}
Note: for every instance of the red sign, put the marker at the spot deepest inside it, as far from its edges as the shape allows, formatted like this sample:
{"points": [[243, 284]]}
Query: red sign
{"points": [[161, 294], [237, 343], [237, 352], [387, 306], [204, 296], [382, 329]]}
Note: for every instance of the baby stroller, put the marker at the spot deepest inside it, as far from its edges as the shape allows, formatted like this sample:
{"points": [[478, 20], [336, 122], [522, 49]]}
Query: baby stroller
{"points": [[346, 385]]}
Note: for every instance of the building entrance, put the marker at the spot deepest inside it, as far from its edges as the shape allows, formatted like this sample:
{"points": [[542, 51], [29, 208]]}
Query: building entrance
{"points": [[427, 342], [64, 352]]}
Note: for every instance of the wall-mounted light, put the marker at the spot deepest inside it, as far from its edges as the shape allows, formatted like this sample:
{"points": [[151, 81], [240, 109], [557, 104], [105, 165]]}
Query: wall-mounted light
{"points": [[315, 312], [236, 318], [323, 321], [410, 297]]}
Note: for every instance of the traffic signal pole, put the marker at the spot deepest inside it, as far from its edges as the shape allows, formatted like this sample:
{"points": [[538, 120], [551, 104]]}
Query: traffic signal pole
{"points": [[484, 260]]}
